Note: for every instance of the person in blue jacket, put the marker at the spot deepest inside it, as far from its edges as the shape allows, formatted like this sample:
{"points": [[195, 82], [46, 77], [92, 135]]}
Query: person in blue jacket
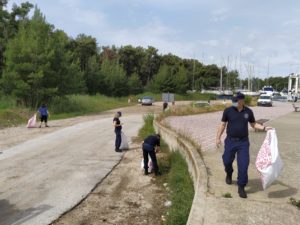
{"points": [[44, 115]]}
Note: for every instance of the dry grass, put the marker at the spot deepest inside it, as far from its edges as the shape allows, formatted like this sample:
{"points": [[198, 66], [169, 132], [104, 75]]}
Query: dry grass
{"points": [[190, 110]]}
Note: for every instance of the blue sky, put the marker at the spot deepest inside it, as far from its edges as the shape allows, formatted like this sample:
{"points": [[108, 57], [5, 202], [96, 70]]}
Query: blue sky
{"points": [[235, 33]]}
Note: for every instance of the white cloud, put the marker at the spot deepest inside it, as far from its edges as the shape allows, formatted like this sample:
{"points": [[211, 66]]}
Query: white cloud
{"points": [[246, 50], [290, 23], [211, 43], [212, 28], [220, 14], [156, 34]]}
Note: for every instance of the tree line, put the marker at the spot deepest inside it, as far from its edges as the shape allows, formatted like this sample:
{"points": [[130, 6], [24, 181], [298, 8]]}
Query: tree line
{"points": [[39, 62]]}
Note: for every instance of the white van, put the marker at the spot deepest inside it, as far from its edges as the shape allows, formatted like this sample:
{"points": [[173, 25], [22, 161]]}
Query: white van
{"points": [[265, 100]]}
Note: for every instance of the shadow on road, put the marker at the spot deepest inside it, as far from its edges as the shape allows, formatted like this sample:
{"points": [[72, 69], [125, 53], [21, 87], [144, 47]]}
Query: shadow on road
{"points": [[11, 215], [286, 191]]}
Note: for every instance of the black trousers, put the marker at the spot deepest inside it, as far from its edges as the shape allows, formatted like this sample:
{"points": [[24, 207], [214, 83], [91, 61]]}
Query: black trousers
{"points": [[241, 149], [152, 155], [44, 119], [118, 139]]}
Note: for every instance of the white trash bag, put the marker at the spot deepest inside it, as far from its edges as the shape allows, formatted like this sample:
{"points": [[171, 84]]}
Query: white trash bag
{"points": [[31, 122], [268, 161], [150, 165], [124, 142]]}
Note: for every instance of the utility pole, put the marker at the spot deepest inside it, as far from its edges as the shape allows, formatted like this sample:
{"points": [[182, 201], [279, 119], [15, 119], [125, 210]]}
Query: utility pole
{"points": [[194, 65], [268, 74], [227, 77], [240, 72], [221, 79]]}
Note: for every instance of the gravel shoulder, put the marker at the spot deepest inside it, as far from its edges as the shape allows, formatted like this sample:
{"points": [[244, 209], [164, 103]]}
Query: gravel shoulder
{"points": [[126, 196], [46, 172]]}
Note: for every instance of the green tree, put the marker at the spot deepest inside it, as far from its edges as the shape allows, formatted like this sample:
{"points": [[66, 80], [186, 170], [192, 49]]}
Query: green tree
{"points": [[37, 65], [9, 24], [163, 81], [181, 81], [95, 80], [135, 84], [131, 59], [84, 47], [210, 76], [150, 65], [115, 78]]}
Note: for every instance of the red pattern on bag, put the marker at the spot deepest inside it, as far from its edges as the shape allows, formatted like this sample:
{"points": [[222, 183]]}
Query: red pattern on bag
{"points": [[264, 157]]}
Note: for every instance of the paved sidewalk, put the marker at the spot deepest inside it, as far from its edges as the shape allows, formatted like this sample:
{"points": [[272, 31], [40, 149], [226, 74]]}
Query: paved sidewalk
{"points": [[262, 207], [203, 128]]}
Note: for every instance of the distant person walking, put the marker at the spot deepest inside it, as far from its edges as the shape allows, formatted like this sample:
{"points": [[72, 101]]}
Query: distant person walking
{"points": [[165, 106], [44, 115], [118, 131], [236, 119], [151, 145]]}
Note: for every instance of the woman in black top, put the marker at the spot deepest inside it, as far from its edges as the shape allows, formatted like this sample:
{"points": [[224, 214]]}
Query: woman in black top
{"points": [[118, 131]]}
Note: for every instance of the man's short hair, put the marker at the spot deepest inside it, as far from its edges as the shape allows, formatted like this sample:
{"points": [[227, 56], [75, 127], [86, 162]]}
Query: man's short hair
{"points": [[158, 135]]}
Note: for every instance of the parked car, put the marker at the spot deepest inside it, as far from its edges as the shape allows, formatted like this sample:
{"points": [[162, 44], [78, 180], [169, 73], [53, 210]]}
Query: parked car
{"points": [[147, 100], [264, 100]]}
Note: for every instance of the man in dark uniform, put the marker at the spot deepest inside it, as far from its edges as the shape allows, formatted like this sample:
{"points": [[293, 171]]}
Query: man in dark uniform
{"points": [[118, 131], [149, 145], [236, 119]]}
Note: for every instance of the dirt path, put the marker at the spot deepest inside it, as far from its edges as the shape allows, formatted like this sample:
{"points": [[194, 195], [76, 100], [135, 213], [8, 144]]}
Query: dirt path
{"points": [[126, 197], [10, 137], [45, 172], [46, 176]]}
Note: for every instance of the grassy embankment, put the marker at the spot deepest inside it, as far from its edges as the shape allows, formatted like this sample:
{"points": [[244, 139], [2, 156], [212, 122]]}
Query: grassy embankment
{"points": [[180, 97], [10, 114], [60, 108], [174, 167], [75, 105], [175, 173]]}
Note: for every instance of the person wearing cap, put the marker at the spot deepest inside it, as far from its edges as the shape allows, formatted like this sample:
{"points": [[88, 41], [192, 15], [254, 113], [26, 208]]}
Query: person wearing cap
{"points": [[151, 145], [118, 131], [235, 119]]}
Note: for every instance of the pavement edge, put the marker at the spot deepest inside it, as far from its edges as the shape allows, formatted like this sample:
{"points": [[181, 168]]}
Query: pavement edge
{"points": [[196, 167]]}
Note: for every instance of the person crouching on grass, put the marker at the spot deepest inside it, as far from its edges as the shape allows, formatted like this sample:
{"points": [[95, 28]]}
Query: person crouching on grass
{"points": [[44, 114], [151, 145], [118, 131]]}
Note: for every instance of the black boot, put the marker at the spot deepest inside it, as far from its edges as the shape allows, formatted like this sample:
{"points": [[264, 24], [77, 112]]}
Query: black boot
{"points": [[228, 179], [242, 192], [157, 173], [146, 172]]}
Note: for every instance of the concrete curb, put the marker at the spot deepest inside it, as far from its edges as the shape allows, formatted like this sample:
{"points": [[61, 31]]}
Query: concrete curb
{"points": [[196, 167]]}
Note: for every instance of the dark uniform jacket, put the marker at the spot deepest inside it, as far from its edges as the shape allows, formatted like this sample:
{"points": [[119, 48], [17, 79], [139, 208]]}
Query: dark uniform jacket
{"points": [[118, 122], [237, 122], [150, 142]]}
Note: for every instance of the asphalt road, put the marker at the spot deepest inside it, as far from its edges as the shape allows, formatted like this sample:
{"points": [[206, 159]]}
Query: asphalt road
{"points": [[44, 177]]}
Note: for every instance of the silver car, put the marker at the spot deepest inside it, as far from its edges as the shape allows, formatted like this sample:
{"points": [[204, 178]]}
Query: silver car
{"points": [[147, 100]]}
